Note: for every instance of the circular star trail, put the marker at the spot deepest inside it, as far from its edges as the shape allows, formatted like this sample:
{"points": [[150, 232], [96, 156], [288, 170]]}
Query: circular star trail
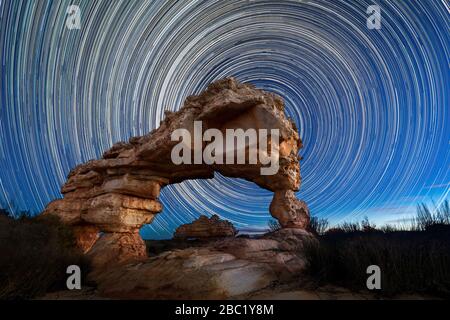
{"points": [[372, 106]]}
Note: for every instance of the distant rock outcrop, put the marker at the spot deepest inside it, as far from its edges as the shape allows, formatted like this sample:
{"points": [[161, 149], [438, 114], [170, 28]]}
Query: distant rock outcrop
{"points": [[118, 194], [204, 228]]}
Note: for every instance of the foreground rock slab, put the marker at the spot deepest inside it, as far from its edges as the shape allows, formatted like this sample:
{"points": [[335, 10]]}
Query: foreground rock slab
{"points": [[222, 269]]}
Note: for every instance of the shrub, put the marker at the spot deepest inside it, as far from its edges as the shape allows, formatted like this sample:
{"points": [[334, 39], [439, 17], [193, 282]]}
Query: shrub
{"points": [[34, 256], [416, 261], [426, 218], [317, 225], [409, 261]]}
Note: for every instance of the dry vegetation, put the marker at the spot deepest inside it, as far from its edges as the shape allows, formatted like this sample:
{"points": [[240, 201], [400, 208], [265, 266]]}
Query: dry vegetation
{"points": [[413, 259], [34, 256]]}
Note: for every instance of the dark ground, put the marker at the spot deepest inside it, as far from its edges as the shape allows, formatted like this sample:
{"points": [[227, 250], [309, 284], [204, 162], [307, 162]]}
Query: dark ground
{"points": [[35, 252]]}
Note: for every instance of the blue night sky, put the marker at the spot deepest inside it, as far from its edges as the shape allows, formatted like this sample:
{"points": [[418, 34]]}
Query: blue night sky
{"points": [[372, 106]]}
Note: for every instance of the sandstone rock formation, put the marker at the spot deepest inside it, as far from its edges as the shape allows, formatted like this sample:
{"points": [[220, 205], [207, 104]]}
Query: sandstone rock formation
{"points": [[290, 212], [228, 268], [204, 228], [118, 194]]}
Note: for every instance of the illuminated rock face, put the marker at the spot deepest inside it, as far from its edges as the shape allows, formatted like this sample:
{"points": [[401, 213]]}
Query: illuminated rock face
{"points": [[117, 194]]}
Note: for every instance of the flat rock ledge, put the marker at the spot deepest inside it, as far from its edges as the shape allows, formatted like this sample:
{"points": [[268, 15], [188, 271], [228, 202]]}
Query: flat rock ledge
{"points": [[227, 268]]}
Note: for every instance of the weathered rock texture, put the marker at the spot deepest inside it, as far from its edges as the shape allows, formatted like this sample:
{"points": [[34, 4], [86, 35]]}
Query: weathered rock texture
{"points": [[290, 212], [204, 228], [227, 268], [118, 194]]}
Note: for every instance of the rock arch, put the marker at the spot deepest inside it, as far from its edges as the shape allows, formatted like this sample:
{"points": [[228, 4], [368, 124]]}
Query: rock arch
{"points": [[117, 194]]}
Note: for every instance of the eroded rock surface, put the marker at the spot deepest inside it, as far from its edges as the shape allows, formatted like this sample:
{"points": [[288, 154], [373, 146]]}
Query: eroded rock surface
{"points": [[117, 194], [228, 268], [204, 228], [290, 212]]}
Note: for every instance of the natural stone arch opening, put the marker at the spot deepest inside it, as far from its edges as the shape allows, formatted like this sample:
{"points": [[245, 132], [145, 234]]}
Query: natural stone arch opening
{"points": [[118, 194]]}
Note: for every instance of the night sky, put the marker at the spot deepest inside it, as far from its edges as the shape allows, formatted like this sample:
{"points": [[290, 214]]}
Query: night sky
{"points": [[372, 106]]}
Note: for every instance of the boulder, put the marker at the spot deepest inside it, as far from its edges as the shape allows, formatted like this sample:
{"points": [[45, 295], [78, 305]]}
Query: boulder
{"points": [[204, 228], [112, 249]]}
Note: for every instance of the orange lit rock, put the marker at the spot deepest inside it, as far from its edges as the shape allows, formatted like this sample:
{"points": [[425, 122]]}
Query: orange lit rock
{"points": [[118, 194]]}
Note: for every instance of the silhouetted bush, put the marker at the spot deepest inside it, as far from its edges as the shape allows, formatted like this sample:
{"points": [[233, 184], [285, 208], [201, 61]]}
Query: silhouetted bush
{"points": [[3, 212], [416, 261], [317, 225], [34, 256], [426, 218]]}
